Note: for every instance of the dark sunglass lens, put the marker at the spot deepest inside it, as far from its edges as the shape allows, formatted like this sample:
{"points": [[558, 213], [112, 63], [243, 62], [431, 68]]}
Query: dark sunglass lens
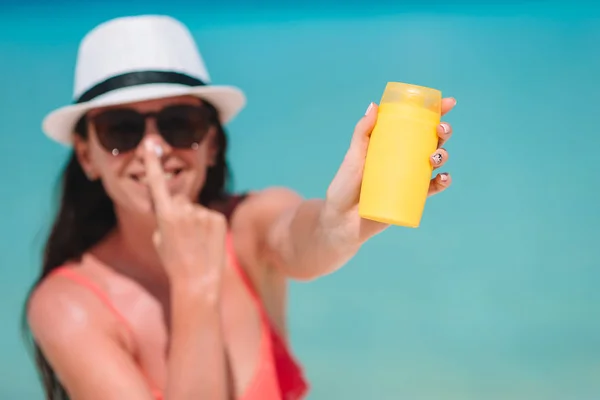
{"points": [[120, 129], [182, 126]]}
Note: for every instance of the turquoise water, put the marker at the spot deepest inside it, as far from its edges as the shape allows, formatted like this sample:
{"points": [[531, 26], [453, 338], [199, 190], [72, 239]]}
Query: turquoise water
{"points": [[494, 297]]}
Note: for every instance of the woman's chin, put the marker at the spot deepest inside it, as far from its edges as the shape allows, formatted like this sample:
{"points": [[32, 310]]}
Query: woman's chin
{"points": [[136, 206]]}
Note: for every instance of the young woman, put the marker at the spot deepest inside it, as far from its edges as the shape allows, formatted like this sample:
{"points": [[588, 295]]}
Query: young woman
{"points": [[157, 283]]}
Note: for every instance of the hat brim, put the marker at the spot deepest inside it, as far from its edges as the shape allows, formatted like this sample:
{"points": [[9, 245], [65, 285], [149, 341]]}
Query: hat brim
{"points": [[228, 100]]}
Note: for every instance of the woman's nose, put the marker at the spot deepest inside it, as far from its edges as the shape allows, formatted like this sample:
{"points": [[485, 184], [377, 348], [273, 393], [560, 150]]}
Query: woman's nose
{"points": [[153, 135]]}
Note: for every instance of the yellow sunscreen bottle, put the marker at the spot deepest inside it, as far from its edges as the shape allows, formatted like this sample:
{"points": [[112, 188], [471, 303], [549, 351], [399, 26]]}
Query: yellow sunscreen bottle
{"points": [[397, 168]]}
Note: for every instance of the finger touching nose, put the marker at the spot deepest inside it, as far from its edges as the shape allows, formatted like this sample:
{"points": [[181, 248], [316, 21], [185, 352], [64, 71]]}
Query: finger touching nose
{"points": [[155, 140]]}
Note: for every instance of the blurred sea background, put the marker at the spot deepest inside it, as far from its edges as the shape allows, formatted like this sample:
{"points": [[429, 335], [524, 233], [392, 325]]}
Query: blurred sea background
{"points": [[494, 297]]}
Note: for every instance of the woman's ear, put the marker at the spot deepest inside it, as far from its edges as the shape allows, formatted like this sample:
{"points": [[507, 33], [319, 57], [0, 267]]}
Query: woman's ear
{"points": [[82, 151]]}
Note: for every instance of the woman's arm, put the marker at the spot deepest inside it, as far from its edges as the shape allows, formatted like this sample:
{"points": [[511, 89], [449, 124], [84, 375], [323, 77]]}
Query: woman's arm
{"points": [[90, 353], [311, 238], [299, 239]]}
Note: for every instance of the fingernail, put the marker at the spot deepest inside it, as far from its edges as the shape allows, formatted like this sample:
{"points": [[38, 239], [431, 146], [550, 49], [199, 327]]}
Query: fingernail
{"points": [[437, 158], [445, 128], [369, 108], [444, 177]]}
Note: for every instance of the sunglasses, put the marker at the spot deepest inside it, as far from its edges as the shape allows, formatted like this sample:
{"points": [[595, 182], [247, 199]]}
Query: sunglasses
{"points": [[181, 126]]}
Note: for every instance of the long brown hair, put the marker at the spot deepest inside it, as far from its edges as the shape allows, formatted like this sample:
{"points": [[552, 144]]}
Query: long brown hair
{"points": [[86, 215]]}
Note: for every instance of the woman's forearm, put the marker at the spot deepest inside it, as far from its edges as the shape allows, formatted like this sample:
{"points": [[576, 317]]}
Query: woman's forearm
{"points": [[197, 366]]}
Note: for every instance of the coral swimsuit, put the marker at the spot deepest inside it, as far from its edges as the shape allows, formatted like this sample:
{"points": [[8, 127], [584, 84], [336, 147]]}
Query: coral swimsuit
{"points": [[277, 377]]}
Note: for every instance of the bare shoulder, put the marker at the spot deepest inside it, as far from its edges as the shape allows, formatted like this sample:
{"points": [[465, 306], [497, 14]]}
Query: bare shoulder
{"points": [[277, 194], [255, 218], [253, 222], [79, 338], [60, 310], [263, 206]]}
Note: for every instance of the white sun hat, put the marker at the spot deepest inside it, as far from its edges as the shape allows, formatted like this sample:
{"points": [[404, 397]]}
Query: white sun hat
{"points": [[131, 59]]}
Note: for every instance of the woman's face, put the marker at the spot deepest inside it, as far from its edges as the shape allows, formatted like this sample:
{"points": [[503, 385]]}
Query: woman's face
{"points": [[114, 149]]}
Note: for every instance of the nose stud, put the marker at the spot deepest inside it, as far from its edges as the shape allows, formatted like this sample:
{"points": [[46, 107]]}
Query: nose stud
{"points": [[115, 152], [195, 146]]}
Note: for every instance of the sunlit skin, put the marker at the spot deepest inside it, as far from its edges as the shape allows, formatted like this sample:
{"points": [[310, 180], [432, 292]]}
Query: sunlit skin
{"points": [[150, 261], [123, 175]]}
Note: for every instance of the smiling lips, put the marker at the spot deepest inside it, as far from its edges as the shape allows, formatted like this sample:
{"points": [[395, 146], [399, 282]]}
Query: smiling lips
{"points": [[141, 178]]}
